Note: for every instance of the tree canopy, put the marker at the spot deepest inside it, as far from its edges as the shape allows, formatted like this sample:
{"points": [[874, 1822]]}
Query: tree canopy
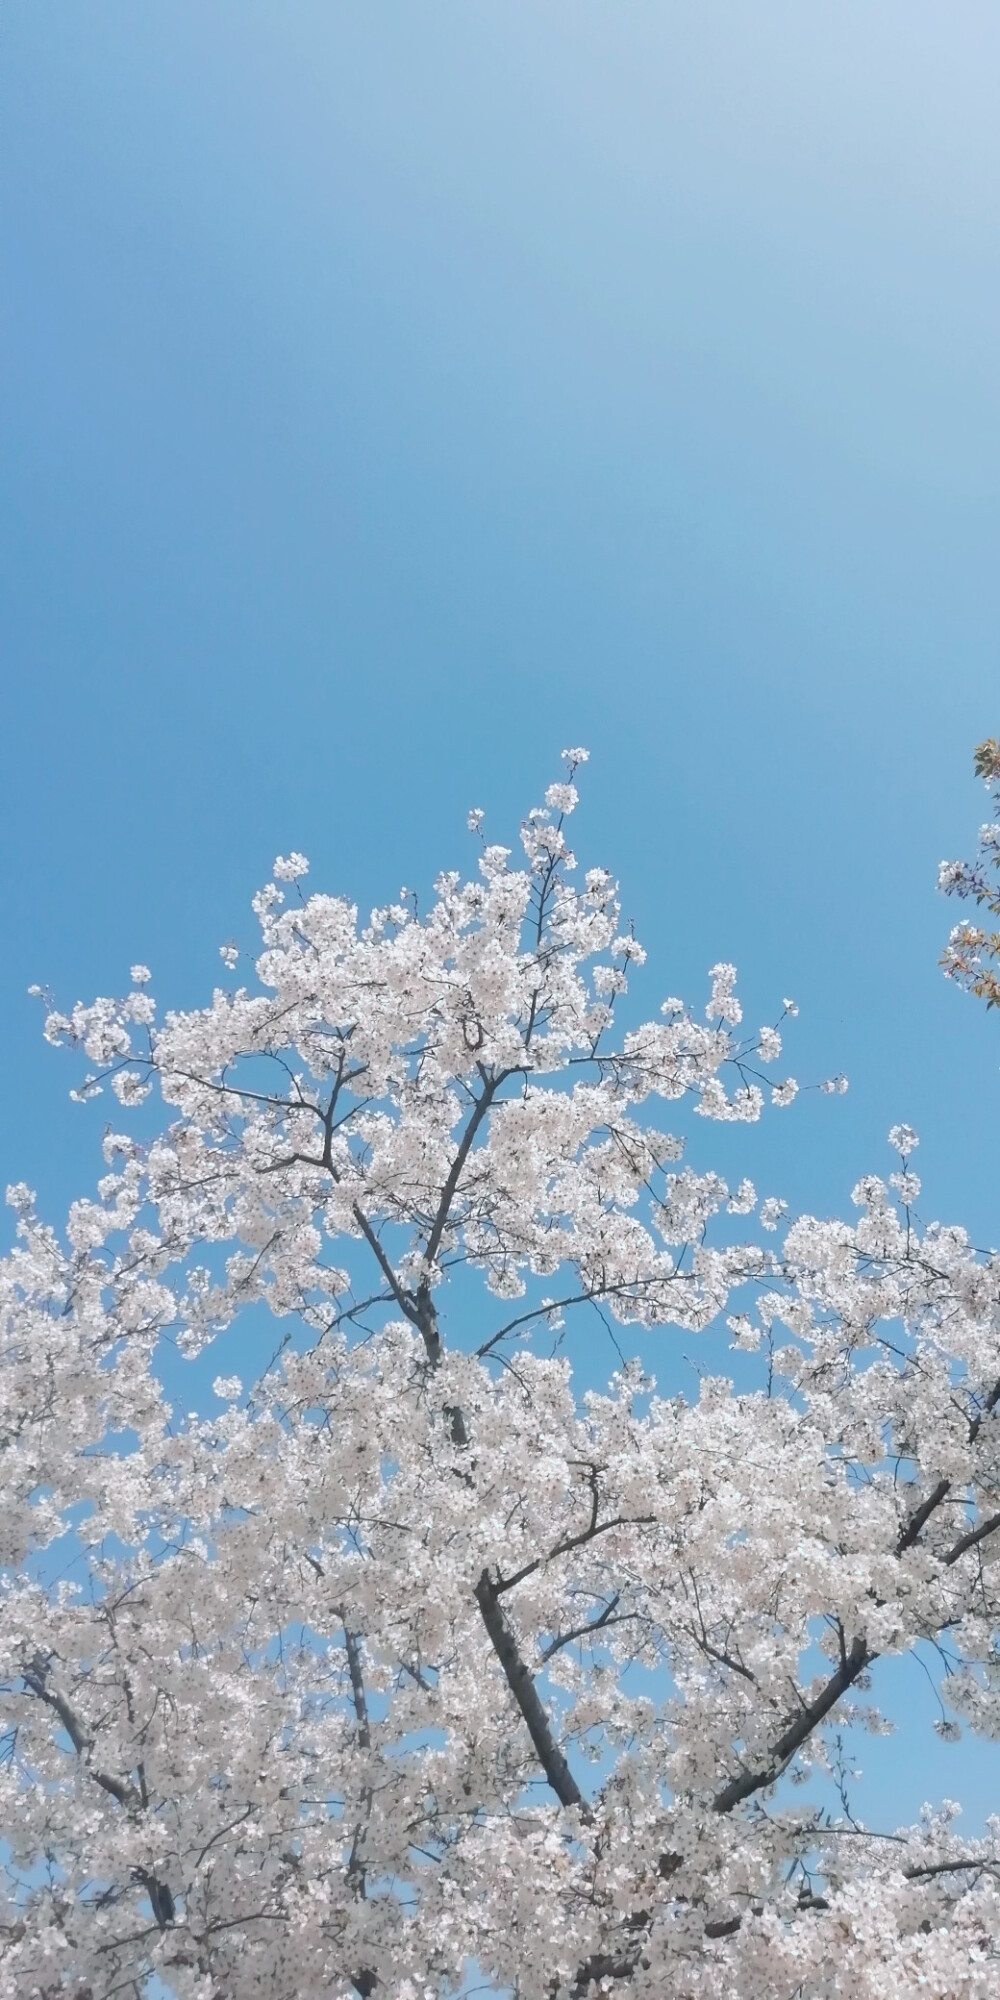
{"points": [[411, 1656]]}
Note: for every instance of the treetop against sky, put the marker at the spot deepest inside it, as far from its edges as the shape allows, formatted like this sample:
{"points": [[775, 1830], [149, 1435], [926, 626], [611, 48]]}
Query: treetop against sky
{"points": [[409, 1655]]}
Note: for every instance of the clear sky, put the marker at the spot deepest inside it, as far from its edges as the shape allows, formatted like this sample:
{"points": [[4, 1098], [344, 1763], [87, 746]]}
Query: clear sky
{"points": [[392, 394]]}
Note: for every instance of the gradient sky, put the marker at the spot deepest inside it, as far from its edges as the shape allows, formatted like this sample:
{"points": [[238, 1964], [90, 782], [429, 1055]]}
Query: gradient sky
{"points": [[392, 394]]}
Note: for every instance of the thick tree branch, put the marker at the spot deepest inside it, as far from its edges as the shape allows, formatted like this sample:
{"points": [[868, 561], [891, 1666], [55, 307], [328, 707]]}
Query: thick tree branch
{"points": [[525, 1694], [588, 1534], [922, 1514], [589, 1626], [364, 1980], [856, 1659], [121, 1790], [972, 1539], [403, 1298], [482, 1105], [353, 1647], [36, 1679], [918, 1520]]}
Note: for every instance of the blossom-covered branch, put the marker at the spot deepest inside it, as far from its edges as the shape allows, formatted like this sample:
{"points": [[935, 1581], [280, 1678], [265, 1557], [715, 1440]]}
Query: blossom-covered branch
{"points": [[972, 953]]}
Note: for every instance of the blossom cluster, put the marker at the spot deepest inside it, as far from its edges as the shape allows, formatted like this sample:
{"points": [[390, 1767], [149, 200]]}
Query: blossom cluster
{"points": [[972, 953]]}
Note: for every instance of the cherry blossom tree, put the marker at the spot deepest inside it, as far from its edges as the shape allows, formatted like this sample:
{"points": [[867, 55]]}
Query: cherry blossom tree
{"points": [[412, 1657], [973, 952]]}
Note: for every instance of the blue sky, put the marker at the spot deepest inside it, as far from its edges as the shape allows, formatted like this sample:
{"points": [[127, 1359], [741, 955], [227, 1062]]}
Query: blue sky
{"points": [[394, 394]]}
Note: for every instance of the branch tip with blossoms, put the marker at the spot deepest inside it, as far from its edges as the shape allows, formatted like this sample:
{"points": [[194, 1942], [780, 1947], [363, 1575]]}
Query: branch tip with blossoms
{"points": [[972, 954]]}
